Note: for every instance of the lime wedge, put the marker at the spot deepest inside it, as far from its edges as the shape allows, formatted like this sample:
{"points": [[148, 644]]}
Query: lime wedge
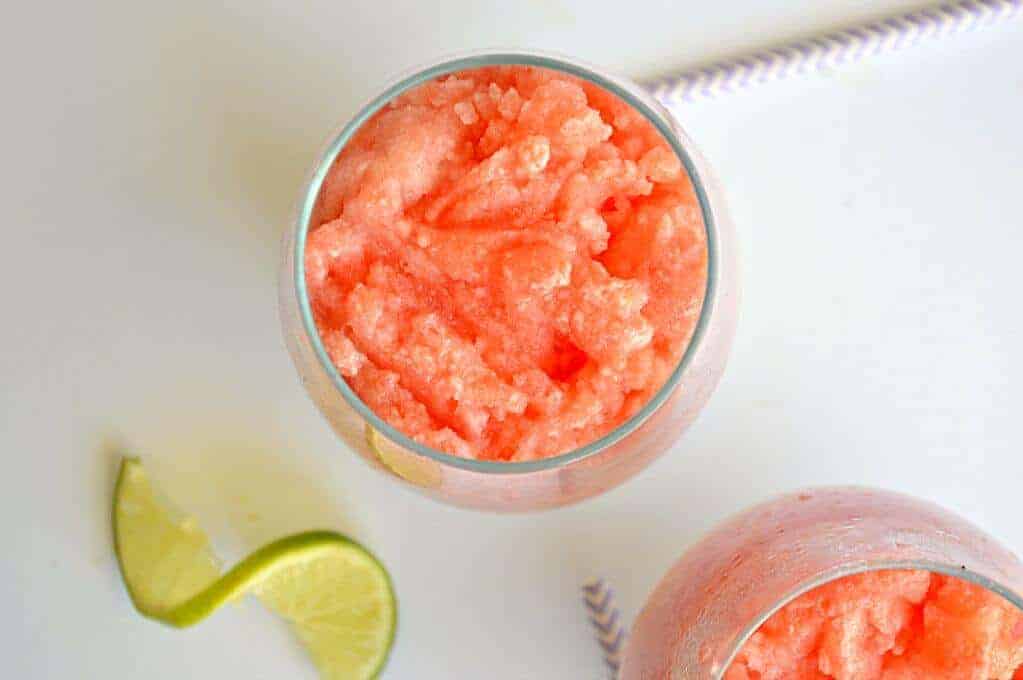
{"points": [[339, 601], [419, 471], [165, 558], [336, 595]]}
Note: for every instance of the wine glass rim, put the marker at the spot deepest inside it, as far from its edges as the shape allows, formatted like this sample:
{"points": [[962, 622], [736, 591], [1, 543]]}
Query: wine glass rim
{"points": [[632, 94], [954, 570]]}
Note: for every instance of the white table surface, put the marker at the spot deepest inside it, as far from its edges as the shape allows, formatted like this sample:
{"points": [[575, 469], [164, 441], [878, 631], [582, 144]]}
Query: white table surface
{"points": [[151, 155]]}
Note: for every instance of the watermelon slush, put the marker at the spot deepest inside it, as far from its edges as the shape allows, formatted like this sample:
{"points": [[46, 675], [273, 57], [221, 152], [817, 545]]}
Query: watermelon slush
{"points": [[506, 263], [888, 625]]}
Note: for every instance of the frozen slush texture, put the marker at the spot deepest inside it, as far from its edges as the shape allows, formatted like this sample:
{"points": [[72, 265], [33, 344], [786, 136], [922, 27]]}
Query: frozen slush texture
{"points": [[888, 625], [506, 263]]}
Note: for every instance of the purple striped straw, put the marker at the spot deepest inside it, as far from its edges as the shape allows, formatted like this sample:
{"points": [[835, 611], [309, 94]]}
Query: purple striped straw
{"points": [[599, 599], [832, 50]]}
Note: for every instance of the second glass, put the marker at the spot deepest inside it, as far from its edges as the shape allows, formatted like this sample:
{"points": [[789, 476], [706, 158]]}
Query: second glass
{"points": [[723, 588]]}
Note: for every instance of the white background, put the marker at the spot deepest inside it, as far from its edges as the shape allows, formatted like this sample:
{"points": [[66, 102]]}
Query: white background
{"points": [[151, 154]]}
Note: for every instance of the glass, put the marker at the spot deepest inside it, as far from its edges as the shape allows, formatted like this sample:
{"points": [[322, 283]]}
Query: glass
{"points": [[723, 588], [550, 482]]}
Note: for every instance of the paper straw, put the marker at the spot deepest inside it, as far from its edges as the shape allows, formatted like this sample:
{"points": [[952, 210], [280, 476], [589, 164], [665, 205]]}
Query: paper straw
{"points": [[832, 50], [599, 599]]}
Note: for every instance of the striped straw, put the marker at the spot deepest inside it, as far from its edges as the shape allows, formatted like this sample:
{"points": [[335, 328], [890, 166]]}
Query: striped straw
{"points": [[832, 50], [599, 599]]}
